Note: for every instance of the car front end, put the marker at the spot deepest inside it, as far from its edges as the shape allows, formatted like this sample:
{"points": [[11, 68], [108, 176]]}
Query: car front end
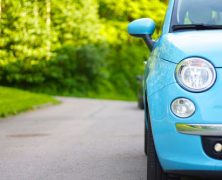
{"points": [[187, 144], [183, 87]]}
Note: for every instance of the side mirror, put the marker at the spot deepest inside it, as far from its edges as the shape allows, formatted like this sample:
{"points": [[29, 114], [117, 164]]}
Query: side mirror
{"points": [[143, 28]]}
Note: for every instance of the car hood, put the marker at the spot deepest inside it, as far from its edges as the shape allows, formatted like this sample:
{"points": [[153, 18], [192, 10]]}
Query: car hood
{"points": [[177, 46]]}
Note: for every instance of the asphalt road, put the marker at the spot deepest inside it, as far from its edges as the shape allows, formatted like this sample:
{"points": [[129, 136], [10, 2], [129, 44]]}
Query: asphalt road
{"points": [[78, 140]]}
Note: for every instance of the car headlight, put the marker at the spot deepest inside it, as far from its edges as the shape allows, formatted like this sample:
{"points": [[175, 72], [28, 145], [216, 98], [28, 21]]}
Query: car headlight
{"points": [[195, 74]]}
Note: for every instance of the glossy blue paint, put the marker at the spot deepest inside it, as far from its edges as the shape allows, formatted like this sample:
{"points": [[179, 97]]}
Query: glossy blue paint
{"points": [[179, 151], [179, 45], [144, 26], [166, 25], [159, 73]]}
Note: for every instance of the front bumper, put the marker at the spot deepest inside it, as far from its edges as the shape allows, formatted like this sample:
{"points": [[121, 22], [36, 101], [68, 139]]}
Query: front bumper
{"points": [[211, 135], [184, 151], [200, 129]]}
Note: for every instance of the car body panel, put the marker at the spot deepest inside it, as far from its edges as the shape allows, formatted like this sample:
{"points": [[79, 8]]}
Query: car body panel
{"points": [[159, 73], [178, 151], [177, 46], [167, 21]]}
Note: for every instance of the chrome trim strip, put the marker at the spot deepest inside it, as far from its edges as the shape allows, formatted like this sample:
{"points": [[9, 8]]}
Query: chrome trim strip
{"points": [[200, 129]]}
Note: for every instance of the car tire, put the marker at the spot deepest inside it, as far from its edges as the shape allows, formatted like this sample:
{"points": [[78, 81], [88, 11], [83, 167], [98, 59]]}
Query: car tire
{"points": [[154, 169], [145, 138], [140, 104]]}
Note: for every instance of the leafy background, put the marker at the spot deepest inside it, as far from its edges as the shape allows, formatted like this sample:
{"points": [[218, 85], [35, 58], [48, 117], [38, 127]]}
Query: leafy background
{"points": [[74, 47]]}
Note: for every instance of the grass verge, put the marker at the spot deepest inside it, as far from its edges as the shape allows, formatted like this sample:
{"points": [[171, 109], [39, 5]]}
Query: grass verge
{"points": [[13, 101]]}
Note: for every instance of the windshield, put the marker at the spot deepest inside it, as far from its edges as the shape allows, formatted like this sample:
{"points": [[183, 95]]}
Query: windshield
{"points": [[197, 12]]}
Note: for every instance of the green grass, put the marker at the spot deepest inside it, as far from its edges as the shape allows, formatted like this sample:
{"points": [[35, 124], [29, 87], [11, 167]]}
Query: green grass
{"points": [[13, 101], [110, 94]]}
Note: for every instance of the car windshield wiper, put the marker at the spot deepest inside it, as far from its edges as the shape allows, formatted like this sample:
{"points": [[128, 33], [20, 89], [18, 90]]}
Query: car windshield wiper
{"points": [[195, 27]]}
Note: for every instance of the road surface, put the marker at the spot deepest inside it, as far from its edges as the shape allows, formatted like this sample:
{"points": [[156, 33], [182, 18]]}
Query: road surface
{"points": [[80, 139]]}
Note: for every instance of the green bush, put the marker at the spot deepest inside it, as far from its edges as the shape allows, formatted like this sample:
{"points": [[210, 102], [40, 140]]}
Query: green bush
{"points": [[71, 68], [74, 47]]}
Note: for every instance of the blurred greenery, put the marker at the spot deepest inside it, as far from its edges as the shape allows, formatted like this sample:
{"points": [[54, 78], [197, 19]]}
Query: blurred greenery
{"points": [[74, 47], [13, 101]]}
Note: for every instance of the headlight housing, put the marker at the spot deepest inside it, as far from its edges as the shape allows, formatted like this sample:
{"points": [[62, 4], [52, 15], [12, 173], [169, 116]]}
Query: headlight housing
{"points": [[195, 74], [183, 107]]}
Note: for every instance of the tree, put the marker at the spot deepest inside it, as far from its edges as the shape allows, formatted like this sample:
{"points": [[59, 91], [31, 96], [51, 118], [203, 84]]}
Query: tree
{"points": [[73, 45]]}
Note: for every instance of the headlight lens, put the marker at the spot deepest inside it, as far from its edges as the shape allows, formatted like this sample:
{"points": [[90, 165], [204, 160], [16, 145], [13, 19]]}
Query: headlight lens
{"points": [[183, 107], [195, 74]]}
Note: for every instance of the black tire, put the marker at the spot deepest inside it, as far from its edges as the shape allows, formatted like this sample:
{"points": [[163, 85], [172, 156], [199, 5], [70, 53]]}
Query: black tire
{"points": [[145, 138], [154, 169], [140, 103]]}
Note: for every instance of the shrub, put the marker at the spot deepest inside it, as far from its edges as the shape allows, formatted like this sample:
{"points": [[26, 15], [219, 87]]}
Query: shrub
{"points": [[73, 47]]}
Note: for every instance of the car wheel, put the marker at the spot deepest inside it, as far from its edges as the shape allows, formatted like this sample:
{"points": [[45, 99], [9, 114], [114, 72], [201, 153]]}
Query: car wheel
{"points": [[140, 103], [145, 137], [154, 169]]}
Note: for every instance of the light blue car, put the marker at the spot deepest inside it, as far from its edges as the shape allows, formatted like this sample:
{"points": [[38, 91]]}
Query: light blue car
{"points": [[183, 90]]}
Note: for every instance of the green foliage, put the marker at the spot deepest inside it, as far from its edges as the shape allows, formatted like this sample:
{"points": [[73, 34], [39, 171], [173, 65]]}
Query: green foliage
{"points": [[73, 47], [125, 10], [13, 101]]}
